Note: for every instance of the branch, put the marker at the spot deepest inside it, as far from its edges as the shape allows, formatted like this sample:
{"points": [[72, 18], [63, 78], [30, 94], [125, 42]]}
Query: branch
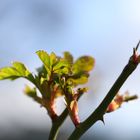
{"points": [[101, 109], [54, 131], [58, 122]]}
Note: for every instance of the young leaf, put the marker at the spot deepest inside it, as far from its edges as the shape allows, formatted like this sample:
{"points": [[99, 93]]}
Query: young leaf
{"points": [[79, 81], [68, 57], [61, 67], [17, 70], [8, 73], [31, 92], [21, 68], [61, 64], [79, 78], [53, 59], [45, 58], [84, 63], [62, 71]]}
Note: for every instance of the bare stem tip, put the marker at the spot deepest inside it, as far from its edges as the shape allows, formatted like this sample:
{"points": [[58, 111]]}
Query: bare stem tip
{"points": [[137, 46]]}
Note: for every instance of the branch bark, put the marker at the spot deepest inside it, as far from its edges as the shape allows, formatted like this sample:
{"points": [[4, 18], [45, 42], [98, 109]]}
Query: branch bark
{"points": [[58, 122]]}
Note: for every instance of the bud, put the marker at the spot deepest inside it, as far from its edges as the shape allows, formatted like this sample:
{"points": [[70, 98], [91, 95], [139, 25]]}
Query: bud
{"points": [[112, 107], [52, 103], [115, 104], [118, 100], [74, 112]]}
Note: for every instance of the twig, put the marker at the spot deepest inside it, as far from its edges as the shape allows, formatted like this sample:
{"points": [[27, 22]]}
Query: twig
{"points": [[100, 111]]}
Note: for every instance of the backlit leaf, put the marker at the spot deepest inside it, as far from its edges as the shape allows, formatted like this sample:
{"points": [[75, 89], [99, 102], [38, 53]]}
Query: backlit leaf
{"points": [[78, 81], [45, 58], [84, 63], [53, 59], [30, 91], [61, 67], [68, 57], [8, 72], [17, 70], [21, 68]]}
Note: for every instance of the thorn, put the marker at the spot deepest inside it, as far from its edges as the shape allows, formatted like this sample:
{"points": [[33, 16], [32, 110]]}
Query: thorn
{"points": [[102, 119], [137, 46]]}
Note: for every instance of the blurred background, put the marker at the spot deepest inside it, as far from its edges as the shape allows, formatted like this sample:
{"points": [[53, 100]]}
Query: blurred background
{"points": [[107, 30]]}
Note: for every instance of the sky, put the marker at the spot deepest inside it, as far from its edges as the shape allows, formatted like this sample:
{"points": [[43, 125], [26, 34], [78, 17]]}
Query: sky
{"points": [[107, 30]]}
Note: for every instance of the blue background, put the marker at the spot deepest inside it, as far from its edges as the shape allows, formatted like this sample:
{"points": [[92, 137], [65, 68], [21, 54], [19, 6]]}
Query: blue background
{"points": [[107, 30]]}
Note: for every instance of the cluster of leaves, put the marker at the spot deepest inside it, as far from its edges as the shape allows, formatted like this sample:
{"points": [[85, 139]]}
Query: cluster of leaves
{"points": [[58, 76]]}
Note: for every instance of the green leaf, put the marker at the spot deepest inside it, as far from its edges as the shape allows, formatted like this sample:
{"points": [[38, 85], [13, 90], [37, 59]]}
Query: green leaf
{"points": [[8, 73], [68, 57], [79, 81], [31, 92], [45, 58], [84, 63], [21, 68], [61, 67], [53, 59], [17, 70], [61, 64], [62, 71]]}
